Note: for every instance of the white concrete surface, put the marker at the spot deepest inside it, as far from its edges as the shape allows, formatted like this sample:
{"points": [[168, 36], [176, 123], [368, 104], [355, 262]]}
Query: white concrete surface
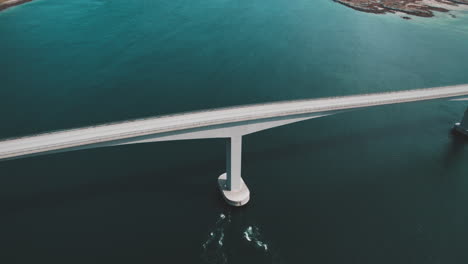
{"points": [[251, 116], [460, 99], [238, 197], [234, 163]]}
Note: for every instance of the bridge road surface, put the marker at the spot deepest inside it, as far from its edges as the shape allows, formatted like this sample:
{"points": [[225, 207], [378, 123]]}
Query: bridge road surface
{"points": [[100, 135]]}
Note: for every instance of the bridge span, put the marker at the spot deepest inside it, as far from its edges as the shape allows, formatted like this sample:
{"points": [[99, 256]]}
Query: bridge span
{"points": [[231, 123]]}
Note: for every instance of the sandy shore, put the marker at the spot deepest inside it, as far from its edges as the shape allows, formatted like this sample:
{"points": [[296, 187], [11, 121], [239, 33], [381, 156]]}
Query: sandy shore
{"points": [[453, 5], [4, 4]]}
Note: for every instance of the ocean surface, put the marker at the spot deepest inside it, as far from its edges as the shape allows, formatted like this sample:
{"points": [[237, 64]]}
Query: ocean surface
{"points": [[380, 185]]}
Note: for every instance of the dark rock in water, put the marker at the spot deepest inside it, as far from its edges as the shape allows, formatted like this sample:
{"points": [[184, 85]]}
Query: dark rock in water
{"points": [[406, 17]]}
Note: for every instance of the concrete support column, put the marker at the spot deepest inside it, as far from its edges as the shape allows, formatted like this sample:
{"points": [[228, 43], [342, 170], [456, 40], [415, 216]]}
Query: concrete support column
{"points": [[462, 127], [464, 122], [231, 185], [234, 163]]}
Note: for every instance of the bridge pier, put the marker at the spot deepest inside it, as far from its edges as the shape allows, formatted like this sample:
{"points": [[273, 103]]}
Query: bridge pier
{"points": [[462, 127], [231, 184]]}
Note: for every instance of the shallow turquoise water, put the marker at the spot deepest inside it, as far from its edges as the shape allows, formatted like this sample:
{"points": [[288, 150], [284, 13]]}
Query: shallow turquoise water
{"points": [[383, 185]]}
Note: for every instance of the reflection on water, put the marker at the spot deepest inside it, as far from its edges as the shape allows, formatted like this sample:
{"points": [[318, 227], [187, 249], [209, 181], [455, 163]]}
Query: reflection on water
{"points": [[252, 234], [231, 236], [213, 251]]}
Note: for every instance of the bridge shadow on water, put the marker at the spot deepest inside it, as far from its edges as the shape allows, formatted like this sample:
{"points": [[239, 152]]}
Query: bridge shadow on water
{"points": [[345, 137], [453, 154], [167, 202], [120, 209], [159, 181], [170, 200]]}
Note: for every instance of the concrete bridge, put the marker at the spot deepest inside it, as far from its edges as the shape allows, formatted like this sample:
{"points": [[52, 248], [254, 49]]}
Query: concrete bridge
{"points": [[230, 123]]}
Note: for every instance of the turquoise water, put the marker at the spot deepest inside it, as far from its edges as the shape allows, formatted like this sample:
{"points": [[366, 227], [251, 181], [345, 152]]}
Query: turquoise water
{"points": [[383, 185]]}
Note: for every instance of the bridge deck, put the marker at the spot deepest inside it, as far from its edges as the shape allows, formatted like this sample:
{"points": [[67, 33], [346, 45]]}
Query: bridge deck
{"points": [[135, 128]]}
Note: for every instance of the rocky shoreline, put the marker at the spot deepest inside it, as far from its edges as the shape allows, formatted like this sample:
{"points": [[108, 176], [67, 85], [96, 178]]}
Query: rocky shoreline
{"points": [[420, 8], [4, 4]]}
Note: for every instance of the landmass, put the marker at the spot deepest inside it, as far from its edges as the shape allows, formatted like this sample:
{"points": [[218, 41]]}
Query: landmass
{"points": [[4, 4], [420, 8]]}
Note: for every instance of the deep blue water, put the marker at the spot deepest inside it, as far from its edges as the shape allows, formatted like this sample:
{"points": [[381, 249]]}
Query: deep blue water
{"points": [[381, 185]]}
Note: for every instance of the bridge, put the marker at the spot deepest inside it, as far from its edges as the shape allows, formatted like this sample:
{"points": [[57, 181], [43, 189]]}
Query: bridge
{"points": [[231, 123]]}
